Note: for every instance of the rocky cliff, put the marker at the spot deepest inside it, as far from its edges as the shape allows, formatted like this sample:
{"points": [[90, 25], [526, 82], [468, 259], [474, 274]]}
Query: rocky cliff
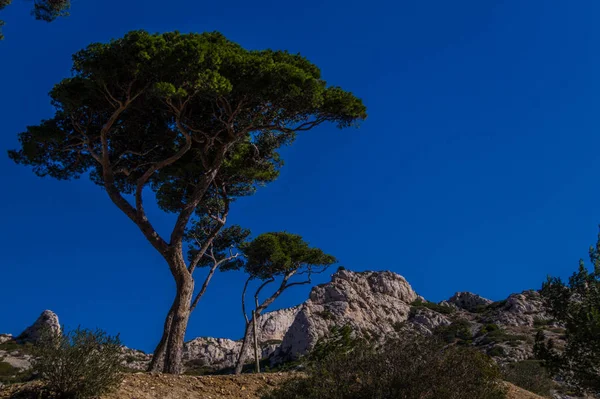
{"points": [[377, 305]]}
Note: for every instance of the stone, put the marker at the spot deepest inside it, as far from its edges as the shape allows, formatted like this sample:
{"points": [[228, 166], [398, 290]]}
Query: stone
{"points": [[468, 301], [370, 302], [48, 319], [5, 338]]}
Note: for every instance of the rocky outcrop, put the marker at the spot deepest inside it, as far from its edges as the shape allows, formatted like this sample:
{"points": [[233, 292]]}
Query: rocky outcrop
{"points": [[522, 309], [5, 338], [427, 321], [48, 320], [214, 353], [274, 325], [377, 305], [370, 302], [468, 301], [222, 353]]}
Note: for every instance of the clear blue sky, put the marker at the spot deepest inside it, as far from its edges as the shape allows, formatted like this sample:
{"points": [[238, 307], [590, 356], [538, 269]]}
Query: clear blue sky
{"points": [[477, 168]]}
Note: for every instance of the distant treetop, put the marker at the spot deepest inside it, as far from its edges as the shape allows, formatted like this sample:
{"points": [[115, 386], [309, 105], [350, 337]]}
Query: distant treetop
{"points": [[43, 10]]}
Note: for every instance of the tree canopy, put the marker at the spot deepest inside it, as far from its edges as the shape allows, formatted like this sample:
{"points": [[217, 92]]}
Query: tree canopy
{"points": [[278, 254], [576, 305], [164, 109], [43, 10]]}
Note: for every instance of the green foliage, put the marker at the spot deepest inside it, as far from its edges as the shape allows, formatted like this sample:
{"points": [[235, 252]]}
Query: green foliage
{"points": [[45, 10], [411, 369], [199, 101], [326, 314], [222, 245], [12, 375], [341, 340], [500, 336], [576, 305], [79, 364], [539, 323], [529, 375], [14, 346], [496, 351], [49, 10], [497, 305], [274, 254], [457, 332], [480, 309], [489, 328], [447, 310]]}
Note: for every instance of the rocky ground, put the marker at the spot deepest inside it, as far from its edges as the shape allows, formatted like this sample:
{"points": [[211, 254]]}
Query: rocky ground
{"points": [[248, 386]]}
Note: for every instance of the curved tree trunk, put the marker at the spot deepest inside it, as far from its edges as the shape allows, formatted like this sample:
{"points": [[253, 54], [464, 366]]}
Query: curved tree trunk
{"points": [[181, 315], [157, 364], [243, 355]]}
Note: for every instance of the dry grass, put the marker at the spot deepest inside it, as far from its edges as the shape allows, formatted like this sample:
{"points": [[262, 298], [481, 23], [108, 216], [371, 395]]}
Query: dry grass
{"points": [[162, 386]]}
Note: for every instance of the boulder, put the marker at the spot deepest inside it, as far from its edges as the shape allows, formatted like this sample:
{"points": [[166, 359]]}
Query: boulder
{"points": [[47, 320]]}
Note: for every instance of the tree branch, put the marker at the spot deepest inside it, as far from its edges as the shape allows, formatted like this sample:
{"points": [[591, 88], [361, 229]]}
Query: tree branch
{"points": [[272, 298], [244, 300], [199, 192], [143, 180], [208, 278], [113, 192], [263, 285], [220, 223]]}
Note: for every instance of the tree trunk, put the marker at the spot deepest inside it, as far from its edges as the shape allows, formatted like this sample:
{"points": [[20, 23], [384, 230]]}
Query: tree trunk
{"points": [[180, 312], [255, 333], [157, 364], [243, 355]]}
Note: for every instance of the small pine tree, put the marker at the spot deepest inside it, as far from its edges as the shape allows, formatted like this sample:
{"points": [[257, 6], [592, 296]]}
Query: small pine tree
{"points": [[576, 305]]}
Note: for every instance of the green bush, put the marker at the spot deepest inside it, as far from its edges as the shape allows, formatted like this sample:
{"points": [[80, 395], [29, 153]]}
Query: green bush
{"points": [[501, 336], [496, 305], [496, 351], [447, 310], [529, 375], [13, 346], [489, 328], [459, 332], [538, 323], [79, 364], [11, 375], [415, 368]]}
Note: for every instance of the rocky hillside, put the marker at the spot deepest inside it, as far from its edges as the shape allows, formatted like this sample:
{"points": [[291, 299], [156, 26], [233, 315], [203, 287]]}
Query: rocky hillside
{"points": [[377, 305]]}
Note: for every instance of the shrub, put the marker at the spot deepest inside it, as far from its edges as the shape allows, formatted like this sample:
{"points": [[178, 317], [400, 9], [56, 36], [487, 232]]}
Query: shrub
{"points": [[14, 346], [489, 328], [341, 340], [501, 336], [414, 368], [79, 364], [529, 375], [433, 306], [479, 309], [497, 351], [538, 322], [497, 305], [459, 332]]}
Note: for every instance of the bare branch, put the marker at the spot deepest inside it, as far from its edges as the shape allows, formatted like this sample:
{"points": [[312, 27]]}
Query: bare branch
{"points": [[244, 300], [263, 285], [109, 183], [208, 278], [272, 298]]}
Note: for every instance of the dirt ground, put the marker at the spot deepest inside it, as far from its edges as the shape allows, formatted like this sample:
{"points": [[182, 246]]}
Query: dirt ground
{"points": [[162, 386]]}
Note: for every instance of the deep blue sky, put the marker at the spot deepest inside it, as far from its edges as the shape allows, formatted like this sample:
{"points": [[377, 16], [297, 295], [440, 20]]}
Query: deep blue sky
{"points": [[477, 168]]}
